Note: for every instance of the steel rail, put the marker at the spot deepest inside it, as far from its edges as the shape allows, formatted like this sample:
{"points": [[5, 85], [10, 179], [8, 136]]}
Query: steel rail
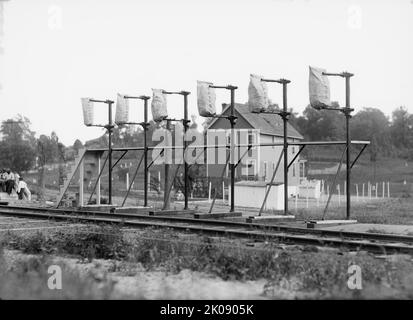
{"points": [[264, 234], [68, 214]]}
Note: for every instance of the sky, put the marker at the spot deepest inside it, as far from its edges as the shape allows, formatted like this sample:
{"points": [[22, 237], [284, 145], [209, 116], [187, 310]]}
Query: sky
{"points": [[57, 51]]}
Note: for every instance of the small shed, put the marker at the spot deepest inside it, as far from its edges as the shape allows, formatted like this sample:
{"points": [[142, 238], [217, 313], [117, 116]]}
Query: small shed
{"points": [[251, 194], [310, 189]]}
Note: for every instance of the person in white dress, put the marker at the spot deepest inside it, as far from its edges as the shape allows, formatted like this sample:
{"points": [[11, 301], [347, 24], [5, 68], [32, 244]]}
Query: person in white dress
{"points": [[23, 191]]}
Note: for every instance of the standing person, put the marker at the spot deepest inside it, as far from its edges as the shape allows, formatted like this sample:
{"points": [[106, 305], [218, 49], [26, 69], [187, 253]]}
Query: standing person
{"points": [[3, 180], [23, 191], [16, 181], [9, 181]]}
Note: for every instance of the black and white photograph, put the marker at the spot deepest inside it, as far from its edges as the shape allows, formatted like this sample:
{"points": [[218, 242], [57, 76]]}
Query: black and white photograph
{"points": [[219, 152]]}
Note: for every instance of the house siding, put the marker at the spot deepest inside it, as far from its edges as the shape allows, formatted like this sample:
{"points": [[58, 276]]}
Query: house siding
{"points": [[266, 159]]}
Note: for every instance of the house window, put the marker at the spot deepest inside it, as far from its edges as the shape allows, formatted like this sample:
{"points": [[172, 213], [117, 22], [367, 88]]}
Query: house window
{"points": [[301, 169], [265, 170], [294, 170], [293, 150], [251, 168], [251, 138]]}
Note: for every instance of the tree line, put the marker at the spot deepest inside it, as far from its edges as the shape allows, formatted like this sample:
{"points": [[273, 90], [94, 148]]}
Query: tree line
{"points": [[21, 150], [389, 136]]}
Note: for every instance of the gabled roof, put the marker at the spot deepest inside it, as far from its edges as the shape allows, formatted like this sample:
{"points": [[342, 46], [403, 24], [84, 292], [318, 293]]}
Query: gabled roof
{"points": [[269, 124]]}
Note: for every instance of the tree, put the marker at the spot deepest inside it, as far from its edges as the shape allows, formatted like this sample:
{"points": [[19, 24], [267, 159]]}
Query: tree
{"points": [[298, 122], [323, 124], [49, 151], [77, 145], [402, 128], [371, 124], [17, 150]]}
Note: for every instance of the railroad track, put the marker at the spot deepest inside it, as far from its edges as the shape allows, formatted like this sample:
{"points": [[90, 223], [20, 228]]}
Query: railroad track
{"points": [[375, 242]]}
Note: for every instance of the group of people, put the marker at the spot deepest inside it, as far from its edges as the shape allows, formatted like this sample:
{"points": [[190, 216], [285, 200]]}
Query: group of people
{"points": [[11, 181]]}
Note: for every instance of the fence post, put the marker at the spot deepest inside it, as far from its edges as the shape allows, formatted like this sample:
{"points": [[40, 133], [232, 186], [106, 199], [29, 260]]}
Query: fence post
{"points": [[223, 191], [383, 190], [371, 191], [322, 190], [369, 188], [363, 192], [357, 192], [339, 197], [296, 202], [388, 189], [377, 186], [209, 192], [307, 196]]}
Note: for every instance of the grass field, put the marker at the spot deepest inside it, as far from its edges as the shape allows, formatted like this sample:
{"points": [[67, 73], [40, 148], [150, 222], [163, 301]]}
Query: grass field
{"points": [[394, 170], [386, 211]]}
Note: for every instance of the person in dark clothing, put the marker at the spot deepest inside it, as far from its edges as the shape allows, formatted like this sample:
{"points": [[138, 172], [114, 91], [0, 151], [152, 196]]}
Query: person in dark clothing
{"points": [[10, 181], [3, 174]]}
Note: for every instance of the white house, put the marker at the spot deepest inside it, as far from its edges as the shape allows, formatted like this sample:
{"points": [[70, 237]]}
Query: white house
{"points": [[262, 129]]}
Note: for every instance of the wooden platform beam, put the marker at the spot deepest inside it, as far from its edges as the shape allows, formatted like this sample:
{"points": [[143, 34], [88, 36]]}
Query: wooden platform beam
{"points": [[131, 210], [276, 218], [98, 207], [216, 215], [170, 212], [312, 224]]}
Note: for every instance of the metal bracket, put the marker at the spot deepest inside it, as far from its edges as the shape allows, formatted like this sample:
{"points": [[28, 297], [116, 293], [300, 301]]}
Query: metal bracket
{"points": [[296, 156], [281, 81], [358, 156]]}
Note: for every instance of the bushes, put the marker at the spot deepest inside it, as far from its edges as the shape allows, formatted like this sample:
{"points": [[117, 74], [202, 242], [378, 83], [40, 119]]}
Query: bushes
{"points": [[100, 242]]}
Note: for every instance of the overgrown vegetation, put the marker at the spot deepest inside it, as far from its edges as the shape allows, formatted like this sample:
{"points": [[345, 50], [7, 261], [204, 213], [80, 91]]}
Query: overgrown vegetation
{"points": [[306, 270], [102, 242]]}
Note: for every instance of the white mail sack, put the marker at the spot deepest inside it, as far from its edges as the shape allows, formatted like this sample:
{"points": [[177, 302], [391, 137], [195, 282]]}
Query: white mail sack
{"points": [[122, 109], [257, 94], [319, 89], [88, 111], [206, 99], [158, 105]]}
